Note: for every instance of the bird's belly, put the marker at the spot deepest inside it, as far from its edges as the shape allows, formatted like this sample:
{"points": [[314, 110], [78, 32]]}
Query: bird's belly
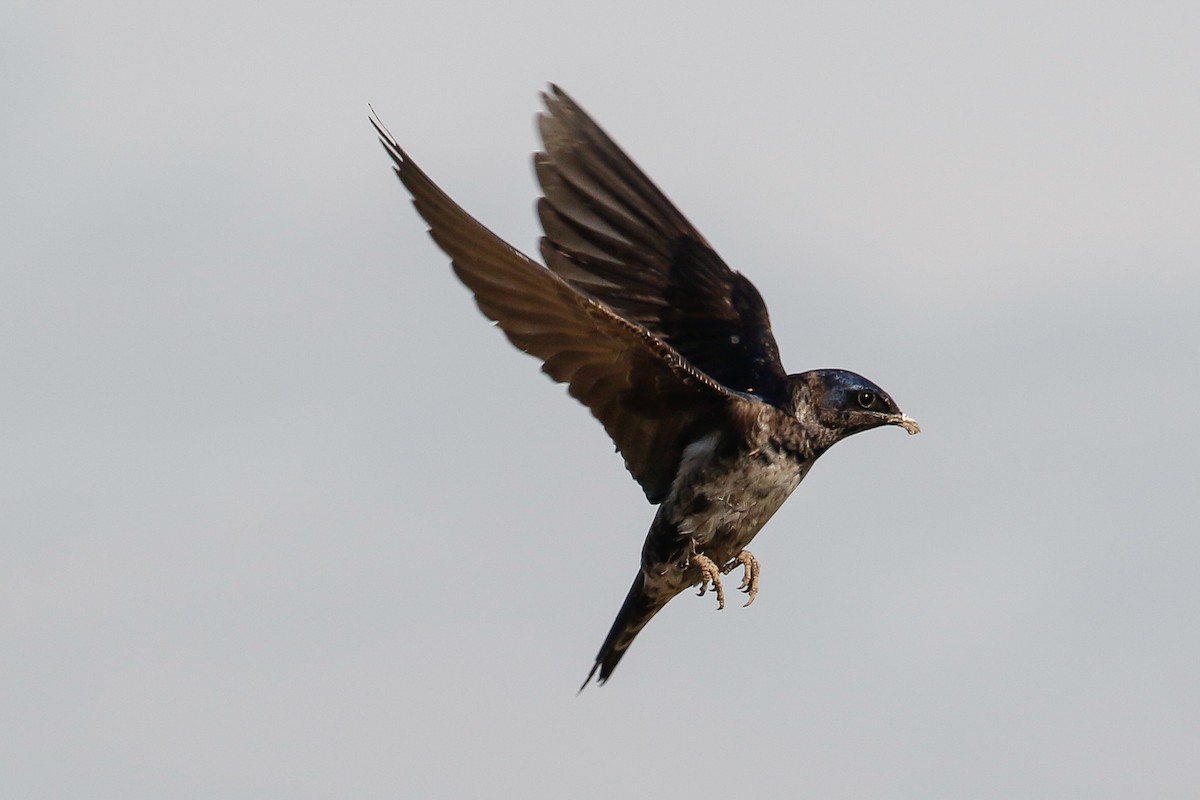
{"points": [[736, 505], [716, 508]]}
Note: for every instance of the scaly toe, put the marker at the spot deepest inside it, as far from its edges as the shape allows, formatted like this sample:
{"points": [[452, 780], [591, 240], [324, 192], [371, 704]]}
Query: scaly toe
{"points": [[749, 583], [710, 573]]}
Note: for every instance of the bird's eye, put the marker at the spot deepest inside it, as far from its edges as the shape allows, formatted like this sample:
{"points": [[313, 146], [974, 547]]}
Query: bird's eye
{"points": [[866, 399]]}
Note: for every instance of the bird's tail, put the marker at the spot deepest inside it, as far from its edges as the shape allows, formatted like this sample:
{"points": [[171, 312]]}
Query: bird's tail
{"points": [[638, 609]]}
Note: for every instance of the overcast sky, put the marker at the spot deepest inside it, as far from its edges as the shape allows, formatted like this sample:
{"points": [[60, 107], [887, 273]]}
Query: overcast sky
{"points": [[284, 517]]}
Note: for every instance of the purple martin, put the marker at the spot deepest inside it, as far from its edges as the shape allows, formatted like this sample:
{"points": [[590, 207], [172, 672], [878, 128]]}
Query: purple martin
{"points": [[669, 348]]}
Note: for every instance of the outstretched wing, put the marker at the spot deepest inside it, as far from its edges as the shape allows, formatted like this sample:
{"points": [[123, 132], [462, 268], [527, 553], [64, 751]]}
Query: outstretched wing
{"points": [[610, 232], [649, 398]]}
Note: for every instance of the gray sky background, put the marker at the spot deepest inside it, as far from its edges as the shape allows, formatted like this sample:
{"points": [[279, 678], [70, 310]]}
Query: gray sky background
{"points": [[284, 517]]}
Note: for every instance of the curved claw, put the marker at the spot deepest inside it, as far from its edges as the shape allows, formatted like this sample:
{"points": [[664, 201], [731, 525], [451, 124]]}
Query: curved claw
{"points": [[710, 573], [749, 583]]}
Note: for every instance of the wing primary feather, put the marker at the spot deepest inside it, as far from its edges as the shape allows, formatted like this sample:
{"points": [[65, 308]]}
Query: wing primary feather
{"points": [[657, 270], [650, 399]]}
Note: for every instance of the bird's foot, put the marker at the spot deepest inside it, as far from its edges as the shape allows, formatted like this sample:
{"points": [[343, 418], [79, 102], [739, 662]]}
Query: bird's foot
{"points": [[749, 583], [710, 573]]}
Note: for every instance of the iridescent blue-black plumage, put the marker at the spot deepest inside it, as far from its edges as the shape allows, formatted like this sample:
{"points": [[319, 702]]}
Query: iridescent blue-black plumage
{"points": [[669, 348]]}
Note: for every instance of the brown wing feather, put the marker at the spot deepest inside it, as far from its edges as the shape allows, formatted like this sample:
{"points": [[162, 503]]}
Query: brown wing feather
{"points": [[648, 397], [610, 232]]}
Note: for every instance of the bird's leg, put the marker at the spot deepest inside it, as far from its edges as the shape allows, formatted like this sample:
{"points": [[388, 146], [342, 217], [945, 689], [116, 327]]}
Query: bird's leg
{"points": [[749, 583], [710, 572]]}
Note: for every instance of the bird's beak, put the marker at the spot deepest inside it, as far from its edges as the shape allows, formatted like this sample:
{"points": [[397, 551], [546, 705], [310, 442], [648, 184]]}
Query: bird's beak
{"points": [[908, 423]]}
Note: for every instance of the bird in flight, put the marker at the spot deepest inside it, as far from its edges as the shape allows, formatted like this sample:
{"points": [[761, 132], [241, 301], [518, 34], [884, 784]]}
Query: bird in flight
{"points": [[669, 348]]}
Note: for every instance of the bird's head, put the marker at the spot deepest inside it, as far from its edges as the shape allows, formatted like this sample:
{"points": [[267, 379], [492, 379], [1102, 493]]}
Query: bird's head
{"points": [[845, 403]]}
